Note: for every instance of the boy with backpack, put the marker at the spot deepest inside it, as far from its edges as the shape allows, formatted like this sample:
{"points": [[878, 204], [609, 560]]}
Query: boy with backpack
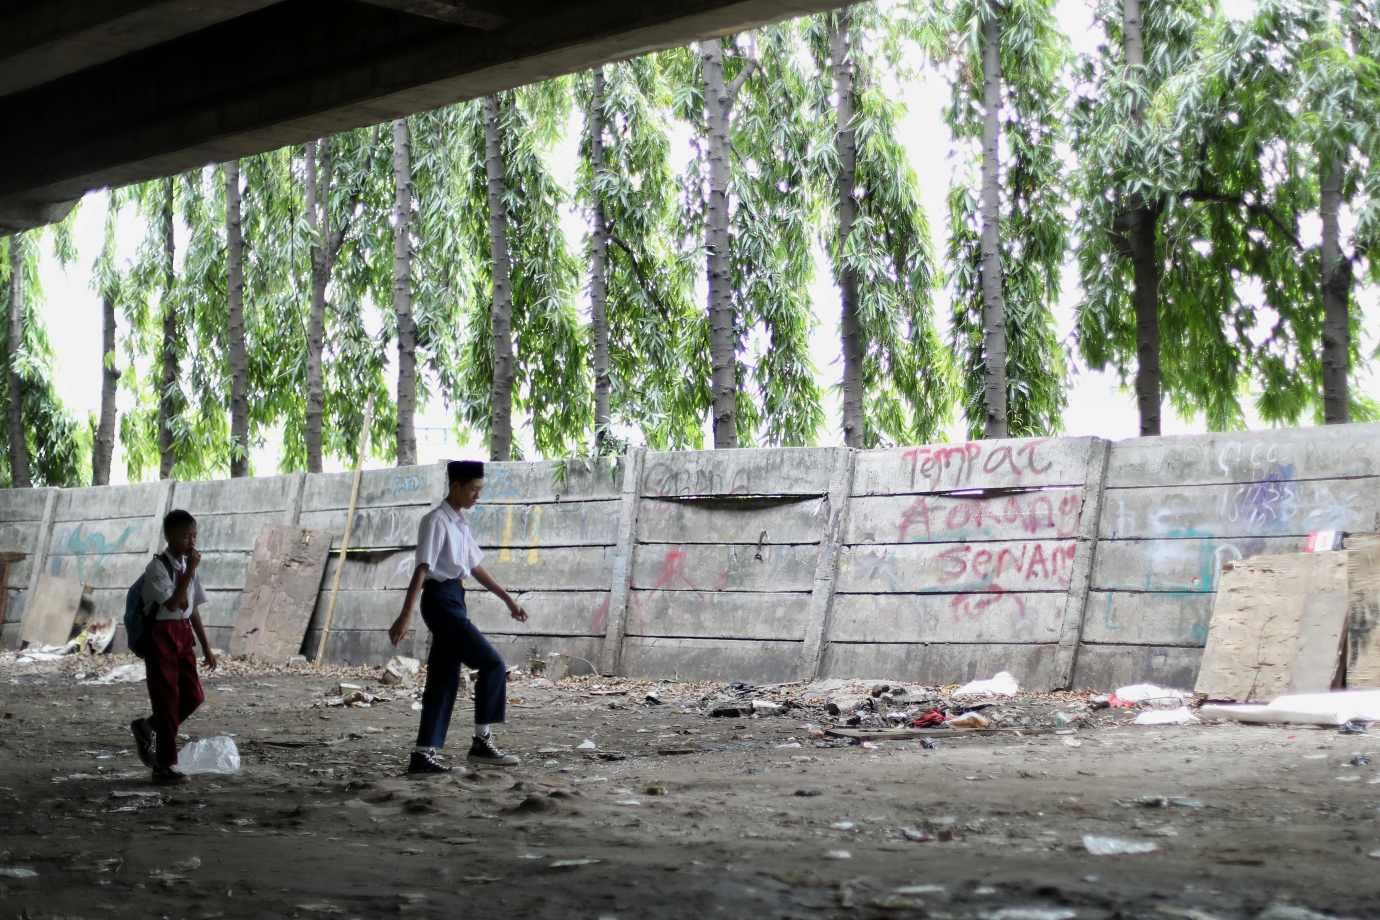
{"points": [[170, 608]]}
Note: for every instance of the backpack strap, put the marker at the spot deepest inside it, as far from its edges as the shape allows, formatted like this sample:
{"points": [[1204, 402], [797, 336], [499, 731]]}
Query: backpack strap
{"points": [[167, 564]]}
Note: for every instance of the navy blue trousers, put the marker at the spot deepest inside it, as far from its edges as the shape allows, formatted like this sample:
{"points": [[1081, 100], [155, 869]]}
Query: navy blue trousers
{"points": [[455, 641]]}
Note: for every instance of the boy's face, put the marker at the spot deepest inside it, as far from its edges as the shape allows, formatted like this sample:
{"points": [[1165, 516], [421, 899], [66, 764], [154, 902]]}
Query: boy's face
{"points": [[182, 541], [466, 494]]}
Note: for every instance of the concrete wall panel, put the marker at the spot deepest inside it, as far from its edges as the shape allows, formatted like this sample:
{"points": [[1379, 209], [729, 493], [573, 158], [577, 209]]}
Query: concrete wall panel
{"points": [[1323, 452], [1106, 667], [1015, 464], [1036, 565], [689, 614], [1001, 616], [103, 537], [936, 665], [593, 523], [730, 521], [729, 567], [1131, 618], [407, 485], [710, 659], [96, 503], [234, 496], [783, 471], [22, 504], [1177, 565], [1254, 509]]}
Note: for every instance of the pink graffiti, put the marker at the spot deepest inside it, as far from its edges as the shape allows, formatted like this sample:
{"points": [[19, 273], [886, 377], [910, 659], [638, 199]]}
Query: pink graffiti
{"points": [[1034, 561], [974, 605], [1032, 512], [931, 463]]}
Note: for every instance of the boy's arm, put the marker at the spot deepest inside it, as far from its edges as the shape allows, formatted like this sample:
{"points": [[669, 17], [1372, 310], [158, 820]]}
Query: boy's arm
{"points": [[404, 620], [184, 582], [487, 581], [200, 631]]}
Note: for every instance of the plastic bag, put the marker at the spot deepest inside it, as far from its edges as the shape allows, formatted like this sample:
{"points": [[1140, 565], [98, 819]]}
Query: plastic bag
{"points": [[1117, 846], [210, 755], [1181, 716], [1000, 684]]}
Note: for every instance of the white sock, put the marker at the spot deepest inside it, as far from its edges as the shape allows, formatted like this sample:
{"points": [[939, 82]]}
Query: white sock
{"points": [[482, 731], [423, 749]]}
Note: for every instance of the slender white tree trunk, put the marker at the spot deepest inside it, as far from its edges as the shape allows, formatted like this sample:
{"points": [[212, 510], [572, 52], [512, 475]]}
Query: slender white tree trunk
{"points": [[501, 423], [402, 293], [318, 216], [841, 40], [19, 446], [167, 401], [598, 269], [723, 338], [103, 451], [1336, 296], [1146, 270], [993, 301], [239, 363]]}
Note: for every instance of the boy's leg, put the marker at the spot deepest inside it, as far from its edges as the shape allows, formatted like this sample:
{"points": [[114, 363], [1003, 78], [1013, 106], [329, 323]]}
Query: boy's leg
{"points": [[491, 686], [442, 676], [190, 696], [161, 667]]}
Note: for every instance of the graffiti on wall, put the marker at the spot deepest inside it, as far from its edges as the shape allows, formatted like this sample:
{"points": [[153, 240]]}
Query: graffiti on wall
{"points": [[1035, 513], [83, 547], [665, 478], [953, 466]]}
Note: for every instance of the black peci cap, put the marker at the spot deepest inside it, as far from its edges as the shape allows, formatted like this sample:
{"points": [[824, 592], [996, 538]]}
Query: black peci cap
{"points": [[462, 471]]}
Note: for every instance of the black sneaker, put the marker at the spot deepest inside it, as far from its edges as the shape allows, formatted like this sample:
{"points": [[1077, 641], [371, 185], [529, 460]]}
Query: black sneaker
{"points": [[483, 751], [144, 742], [424, 763], [167, 776]]}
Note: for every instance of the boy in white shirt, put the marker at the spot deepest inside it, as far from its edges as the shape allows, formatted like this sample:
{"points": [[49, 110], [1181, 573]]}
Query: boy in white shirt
{"points": [[175, 587], [446, 555]]}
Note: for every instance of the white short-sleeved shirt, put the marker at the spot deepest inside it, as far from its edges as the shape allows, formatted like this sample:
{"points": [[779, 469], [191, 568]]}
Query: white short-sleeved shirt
{"points": [[158, 588], [445, 544]]}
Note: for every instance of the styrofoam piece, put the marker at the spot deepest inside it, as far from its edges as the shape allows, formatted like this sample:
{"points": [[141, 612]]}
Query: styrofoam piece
{"points": [[999, 684], [1335, 708], [1149, 693], [1181, 716]]}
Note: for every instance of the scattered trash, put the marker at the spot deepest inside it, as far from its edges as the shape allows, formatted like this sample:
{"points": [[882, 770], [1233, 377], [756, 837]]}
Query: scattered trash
{"points": [[539, 683], [565, 863], [968, 720], [587, 745], [1063, 718], [1186, 803], [844, 825], [945, 834], [654, 698], [1354, 727], [930, 719], [655, 790], [766, 707], [1117, 846], [1151, 693], [1030, 913], [928, 744], [1000, 684], [916, 834], [399, 670], [17, 872], [838, 854], [124, 674], [416, 705], [1181, 716], [1149, 801], [1289, 912], [1340, 707], [1360, 760], [807, 793], [187, 865], [1073, 742], [210, 755]]}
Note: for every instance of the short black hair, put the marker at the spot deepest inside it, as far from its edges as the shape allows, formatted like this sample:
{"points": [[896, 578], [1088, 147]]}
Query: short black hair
{"points": [[176, 521], [462, 471]]}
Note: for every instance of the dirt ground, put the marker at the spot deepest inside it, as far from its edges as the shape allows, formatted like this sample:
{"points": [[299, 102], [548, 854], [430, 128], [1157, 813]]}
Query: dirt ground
{"points": [[739, 822]]}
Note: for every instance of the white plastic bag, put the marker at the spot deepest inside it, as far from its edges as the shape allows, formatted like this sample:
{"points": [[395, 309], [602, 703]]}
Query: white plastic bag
{"points": [[999, 684], [210, 755], [1181, 716], [1152, 694], [1117, 846]]}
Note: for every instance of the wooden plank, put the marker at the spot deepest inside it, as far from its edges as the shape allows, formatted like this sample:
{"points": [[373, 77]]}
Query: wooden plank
{"points": [[620, 578], [780, 471], [104, 503], [1363, 610], [579, 613], [1321, 452], [51, 611], [724, 615], [1177, 565], [1025, 463], [39, 549], [731, 567], [1276, 627], [728, 520], [1040, 514], [592, 523], [934, 664], [1137, 618], [725, 660], [1036, 565], [978, 617], [238, 496], [1241, 509], [1105, 667], [279, 593]]}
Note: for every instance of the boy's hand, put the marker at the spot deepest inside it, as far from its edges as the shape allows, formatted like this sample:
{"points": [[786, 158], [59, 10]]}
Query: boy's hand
{"points": [[193, 560], [210, 660], [517, 611], [398, 630]]}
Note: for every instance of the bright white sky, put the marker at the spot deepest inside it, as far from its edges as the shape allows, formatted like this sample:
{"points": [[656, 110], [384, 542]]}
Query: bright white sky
{"points": [[1098, 405]]}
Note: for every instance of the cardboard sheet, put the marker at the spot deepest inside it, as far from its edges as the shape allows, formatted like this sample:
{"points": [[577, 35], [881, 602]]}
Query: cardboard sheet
{"points": [[280, 592], [1277, 627], [51, 612]]}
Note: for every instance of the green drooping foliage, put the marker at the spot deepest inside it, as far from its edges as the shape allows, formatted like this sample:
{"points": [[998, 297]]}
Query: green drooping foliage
{"points": [[906, 371], [58, 443], [551, 377], [1033, 229]]}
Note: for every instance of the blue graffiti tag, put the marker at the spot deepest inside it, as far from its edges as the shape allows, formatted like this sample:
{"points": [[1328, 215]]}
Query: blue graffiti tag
{"points": [[74, 543]]}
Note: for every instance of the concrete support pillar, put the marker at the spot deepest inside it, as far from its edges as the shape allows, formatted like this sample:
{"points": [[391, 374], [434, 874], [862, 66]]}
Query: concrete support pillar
{"points": [[616, 621], [296, 490], [40, 555], [1085, 554], [835, 505]]}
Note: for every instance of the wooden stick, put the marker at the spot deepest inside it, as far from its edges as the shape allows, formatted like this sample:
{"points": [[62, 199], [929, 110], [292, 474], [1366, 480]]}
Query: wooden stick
{"points": [[349, 523]]}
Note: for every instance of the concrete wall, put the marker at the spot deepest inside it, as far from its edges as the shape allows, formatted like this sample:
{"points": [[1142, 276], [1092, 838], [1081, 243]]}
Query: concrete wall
{"points": [[1065, 561]]}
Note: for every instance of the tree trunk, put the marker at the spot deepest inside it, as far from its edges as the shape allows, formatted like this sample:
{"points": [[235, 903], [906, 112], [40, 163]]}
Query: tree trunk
{"points": [[1336, 295], [993, 302], [722, 337], [318, 217], [402, 293], [598, 269], [19, 445], [104, 448], [167, 402], [846, 145], [239, 366], [501, 421], [1143, 228]]}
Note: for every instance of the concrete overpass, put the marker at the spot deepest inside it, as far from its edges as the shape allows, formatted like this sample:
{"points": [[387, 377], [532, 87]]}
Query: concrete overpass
{"points": [[97, 93]]}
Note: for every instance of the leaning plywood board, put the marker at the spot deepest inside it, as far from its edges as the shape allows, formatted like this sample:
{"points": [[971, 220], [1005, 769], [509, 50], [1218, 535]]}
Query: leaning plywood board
{"points": [[1363, 610], [280, 592], [1276, 628], [49, 616]]}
